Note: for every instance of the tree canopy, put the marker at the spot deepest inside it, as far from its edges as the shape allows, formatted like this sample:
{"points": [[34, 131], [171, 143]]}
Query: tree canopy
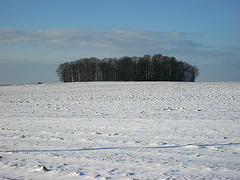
{"points": [[146, 68]]}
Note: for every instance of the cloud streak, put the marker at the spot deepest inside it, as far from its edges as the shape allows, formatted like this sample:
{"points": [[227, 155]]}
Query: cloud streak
{"points": [[119, 42], [115, 39]]}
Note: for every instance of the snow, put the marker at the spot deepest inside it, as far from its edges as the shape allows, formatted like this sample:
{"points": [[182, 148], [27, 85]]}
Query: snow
{"points": [[120, 130]]}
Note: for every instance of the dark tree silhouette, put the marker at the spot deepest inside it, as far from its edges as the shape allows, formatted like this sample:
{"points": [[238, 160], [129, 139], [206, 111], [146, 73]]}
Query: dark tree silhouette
{"points": [[146, 68]]}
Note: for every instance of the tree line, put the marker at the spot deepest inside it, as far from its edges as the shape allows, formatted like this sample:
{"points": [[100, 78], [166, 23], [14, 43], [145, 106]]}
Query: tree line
{"points": [[146, 68]]}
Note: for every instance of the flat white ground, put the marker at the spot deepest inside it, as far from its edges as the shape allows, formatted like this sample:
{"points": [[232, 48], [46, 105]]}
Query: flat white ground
{"points": [[120, 130]]}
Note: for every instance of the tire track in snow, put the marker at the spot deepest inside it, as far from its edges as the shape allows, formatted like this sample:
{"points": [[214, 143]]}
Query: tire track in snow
{"points": [[113, 148]]}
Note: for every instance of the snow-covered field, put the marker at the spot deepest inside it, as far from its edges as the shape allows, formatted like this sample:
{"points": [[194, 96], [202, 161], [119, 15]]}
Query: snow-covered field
{"points": [[120, 130]]}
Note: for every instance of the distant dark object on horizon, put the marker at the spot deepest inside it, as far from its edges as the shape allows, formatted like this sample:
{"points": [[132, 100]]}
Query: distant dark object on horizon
{"points": [[146, 68]]}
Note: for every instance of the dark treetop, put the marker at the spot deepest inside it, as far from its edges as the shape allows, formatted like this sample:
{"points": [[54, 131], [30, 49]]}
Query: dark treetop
{"points": [[146, 68]]}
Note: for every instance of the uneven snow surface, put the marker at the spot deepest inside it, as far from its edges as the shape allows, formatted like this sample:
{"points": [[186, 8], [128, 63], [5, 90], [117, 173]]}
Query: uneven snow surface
{"points": [[120, 130]]}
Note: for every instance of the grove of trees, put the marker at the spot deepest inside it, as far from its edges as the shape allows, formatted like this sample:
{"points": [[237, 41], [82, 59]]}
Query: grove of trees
{"points": [[146, 68]]}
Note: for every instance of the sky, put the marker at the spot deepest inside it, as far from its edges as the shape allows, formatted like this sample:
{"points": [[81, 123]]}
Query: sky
{"points": [[37, 36]]}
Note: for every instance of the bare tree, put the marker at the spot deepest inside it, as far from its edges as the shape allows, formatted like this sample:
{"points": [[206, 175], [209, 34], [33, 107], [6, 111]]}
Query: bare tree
{"points": [[146, 68]]}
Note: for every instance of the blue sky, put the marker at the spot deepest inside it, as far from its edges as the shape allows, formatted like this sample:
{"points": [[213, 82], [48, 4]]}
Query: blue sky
{"points": [[36, 36]]}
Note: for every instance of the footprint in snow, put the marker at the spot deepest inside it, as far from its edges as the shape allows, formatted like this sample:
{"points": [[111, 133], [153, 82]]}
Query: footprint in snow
{"points": [[130, 174]]}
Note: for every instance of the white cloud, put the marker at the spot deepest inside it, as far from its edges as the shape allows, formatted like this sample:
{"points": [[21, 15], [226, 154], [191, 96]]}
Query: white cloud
{"points": [[116, 39], [117, 42]]}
